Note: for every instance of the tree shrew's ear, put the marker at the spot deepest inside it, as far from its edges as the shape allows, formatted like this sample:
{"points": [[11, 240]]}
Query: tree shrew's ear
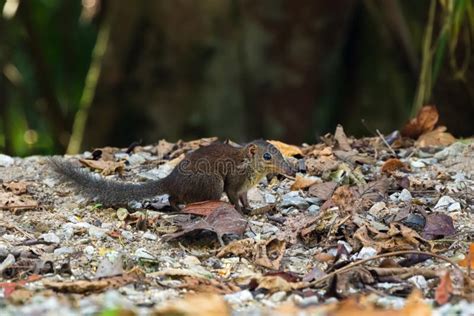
{"points": [[251, 150]]}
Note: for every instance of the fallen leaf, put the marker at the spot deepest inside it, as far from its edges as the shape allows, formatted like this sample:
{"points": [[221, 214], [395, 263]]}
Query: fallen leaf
{"points": [[437, 138], [469, 259], [392, 165], [17, 187], [286, 149], [204, 208], [274, 284], [341, 139], [270, 253], [241, 248], [14, 202], [323, 191], [204, 304], [444, 289], [92, 286], [163, 148], [222, 221], [415, 305], [438, 225], [302, 183], [320, 165], [424, 122], [105, 167]]}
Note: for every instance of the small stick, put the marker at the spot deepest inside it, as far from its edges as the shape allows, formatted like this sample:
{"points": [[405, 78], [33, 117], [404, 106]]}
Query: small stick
{"points": [[385, 142], [390, 254]]}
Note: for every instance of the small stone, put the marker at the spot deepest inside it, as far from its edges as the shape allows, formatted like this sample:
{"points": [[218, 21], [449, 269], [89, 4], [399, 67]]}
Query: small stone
{"points": [[417, 164], [9, 260], [270, 198], [419, 281], [278, 296], [136, 160], [405, 196], [6, 161], [63, 251], [150, 236], [254, 196], [308, 301], [127, 234], [142, 253], [450, 151], [313, 200], [50, 237], [444, 202], [135, 205], [191, 261], [346, 245], [89, 250], [97, 232], [294, 199], [456, 206], [366, 253], [122, 213], [314, 209]]}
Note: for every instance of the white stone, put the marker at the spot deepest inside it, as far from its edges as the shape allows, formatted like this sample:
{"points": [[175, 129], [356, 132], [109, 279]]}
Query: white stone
{"points": [[376, 208], [444, 202], [456, 206], [97, 232], [278, 296], [50, 237], [127, 234], [270, 198], [89, 250], [142, 253], [313, 209], [417, 164], [6, 161], [405, 196], [366, 253], [419, 281], [150, 236]]}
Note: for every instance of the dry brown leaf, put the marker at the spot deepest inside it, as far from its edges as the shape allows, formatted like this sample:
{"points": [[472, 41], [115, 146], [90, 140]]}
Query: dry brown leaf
{"points": [[106, 167], [392, 165], [286, 149], [274, 284], [469, 259], [241, 248], [341, 139], [424, 122], [437, 138], [269, 253], [204, 304], [323, 191], [223, 220], [13, 202], [91, 286], [302, 183], [203, 208], [444, 289], [317, 166], [17, 187]]}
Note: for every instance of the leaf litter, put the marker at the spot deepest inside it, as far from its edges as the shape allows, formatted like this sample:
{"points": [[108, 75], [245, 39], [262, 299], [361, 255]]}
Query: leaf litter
{"points": [[374, 231]]}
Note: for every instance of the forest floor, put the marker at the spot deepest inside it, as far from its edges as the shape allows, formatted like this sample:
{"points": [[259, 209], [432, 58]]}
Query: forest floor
{"points": [[368, 225]]}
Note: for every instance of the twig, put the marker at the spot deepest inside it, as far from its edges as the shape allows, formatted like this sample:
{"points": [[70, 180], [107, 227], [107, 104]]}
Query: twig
{"points": [[390, 254], [385, 142]]}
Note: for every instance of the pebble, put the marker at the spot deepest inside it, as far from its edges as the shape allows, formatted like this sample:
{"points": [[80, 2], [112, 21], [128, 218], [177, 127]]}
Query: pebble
{"points": [[136, 160], [127, 234], [405, 196], [456, 206], [50, 237], [9, 260], [122, 213], [270, 198], [294, 199], [239, 297], [450, 151], [444, 202], [150, 236], [376, 208], [255, 196], [96, 232], [307, 301], [419, 281], [278, 296], [6, 161], [89, 250], [142, 253], [417, 164], [191, 261], [63, 251], [366, 253], [313, 209]]}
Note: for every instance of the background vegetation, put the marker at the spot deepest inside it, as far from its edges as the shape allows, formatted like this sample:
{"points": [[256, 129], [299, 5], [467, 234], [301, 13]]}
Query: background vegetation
{"points": [[115, 72]]}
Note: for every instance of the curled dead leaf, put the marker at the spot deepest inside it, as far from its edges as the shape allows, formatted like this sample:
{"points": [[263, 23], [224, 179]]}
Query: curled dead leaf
{"points": [[437, 138], [302, 183], [424, 122], [105, 167], [286, 149]]}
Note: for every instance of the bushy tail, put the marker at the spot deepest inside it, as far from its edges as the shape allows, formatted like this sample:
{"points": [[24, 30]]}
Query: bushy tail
{"points": [[105, 191]]}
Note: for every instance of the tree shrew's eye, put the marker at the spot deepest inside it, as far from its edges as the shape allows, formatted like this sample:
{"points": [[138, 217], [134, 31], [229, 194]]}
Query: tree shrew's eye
{"points": [[267, 156]]}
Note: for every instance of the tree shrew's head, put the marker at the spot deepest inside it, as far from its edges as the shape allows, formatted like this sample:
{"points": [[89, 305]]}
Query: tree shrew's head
{"points": [[266, 158]]}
